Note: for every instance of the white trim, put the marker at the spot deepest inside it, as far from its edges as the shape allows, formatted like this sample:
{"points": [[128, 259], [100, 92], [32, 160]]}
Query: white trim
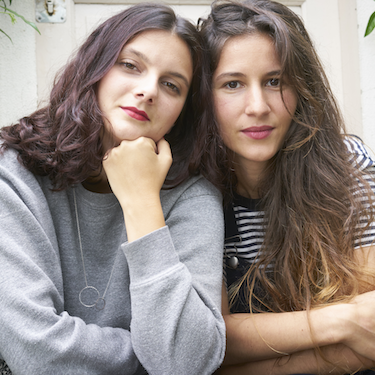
{"points": [[175, 2]]}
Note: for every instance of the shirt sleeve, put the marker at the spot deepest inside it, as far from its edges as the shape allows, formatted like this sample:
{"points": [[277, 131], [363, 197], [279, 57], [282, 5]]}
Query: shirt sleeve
{"points": [[176, 277], [37, 336], [362, 159], [360, 156]]}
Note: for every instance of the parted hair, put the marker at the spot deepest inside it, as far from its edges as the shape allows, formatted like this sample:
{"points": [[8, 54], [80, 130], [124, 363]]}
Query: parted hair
{"points": [[310, 192], [63, 140]]}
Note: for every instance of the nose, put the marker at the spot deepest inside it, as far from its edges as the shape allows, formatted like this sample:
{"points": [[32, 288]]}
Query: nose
{"points": [[147, 89], [257, 102]]}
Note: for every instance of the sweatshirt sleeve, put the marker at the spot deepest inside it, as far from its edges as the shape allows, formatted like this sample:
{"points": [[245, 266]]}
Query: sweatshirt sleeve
{"points": [[176, 276], [37, 336]]}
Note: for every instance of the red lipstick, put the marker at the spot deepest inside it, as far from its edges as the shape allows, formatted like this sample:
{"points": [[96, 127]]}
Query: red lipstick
{"points": [[258, 132], [136, 113]]}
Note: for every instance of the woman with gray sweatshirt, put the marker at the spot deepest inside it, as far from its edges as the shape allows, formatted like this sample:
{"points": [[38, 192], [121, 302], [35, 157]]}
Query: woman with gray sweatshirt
{"points": [[110, 253]]}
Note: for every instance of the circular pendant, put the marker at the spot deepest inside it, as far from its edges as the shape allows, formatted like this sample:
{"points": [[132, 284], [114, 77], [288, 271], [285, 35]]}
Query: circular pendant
{"points": [[232, 262], [89, 296]]}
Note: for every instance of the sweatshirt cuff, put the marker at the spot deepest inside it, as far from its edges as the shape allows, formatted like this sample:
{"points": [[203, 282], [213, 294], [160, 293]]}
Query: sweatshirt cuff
{"points": [[150, 255]]}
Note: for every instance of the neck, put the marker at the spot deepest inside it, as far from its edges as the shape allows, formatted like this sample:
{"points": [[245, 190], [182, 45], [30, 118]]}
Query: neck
{"points": [[249, 177]]}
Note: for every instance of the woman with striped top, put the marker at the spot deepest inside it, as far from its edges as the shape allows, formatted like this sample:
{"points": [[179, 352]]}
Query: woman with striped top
{"points": [[299, 199]]}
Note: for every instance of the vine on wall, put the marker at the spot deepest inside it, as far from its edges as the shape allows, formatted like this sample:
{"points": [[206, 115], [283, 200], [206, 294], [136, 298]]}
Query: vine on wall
{"points": [[4, 9]]}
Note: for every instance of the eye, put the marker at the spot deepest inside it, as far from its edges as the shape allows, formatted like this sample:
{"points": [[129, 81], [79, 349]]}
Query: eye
{"points": [[171, 86], [129, 65], [273, 82], [232, 85]]}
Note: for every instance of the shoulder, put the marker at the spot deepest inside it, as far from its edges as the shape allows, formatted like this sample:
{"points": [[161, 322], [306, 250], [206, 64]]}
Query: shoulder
{"points": [[9, 159], [18, 183], [195, 189], [360, 156], [12, 170], [194, 186]]}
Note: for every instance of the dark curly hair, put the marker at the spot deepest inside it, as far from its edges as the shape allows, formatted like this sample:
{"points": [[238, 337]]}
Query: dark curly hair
{"points": [[63, 139]]}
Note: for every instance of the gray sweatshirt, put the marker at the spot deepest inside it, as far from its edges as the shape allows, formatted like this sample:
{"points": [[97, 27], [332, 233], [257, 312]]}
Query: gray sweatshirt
{"points": [[161, 292]]}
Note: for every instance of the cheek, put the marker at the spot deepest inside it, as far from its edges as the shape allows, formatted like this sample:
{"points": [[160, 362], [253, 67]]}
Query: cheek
{"points": [[105, 90], [100, 98], [171, 111], [226, 132], [176, 111], [222, 110], [168, 115], [164, 129], [290, 99], [221, 115]]}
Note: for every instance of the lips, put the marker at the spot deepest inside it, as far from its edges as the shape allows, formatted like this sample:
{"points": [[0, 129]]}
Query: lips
{"points": [[136, 113], [258, 132]]}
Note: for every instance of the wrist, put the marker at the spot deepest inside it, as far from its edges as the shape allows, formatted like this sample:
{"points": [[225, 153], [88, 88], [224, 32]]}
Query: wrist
{"points": [[143, 217], [329, 324], [139, 201]]}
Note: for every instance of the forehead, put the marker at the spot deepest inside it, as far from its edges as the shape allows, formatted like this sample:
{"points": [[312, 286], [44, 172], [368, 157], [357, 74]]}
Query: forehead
{"points": [[154, 34], [158, 41], [162, 49], [255, 51]]}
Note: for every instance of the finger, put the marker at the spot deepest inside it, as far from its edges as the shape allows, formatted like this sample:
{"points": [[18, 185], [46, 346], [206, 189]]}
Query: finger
{"points": [[164, 148], [145, 142]]}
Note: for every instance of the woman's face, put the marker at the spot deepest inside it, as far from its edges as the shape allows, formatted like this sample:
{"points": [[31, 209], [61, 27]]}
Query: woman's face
{"points": [[145, 91], [252, 115]]}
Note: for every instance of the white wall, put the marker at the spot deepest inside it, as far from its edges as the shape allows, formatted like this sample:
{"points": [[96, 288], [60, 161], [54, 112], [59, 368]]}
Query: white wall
{"points": [[367, 70], [53, 48], [18, 78], [332, 25]]}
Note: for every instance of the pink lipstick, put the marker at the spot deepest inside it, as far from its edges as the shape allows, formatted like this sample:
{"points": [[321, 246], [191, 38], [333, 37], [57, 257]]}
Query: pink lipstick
{"points": [[136, 113], [258, 132]]}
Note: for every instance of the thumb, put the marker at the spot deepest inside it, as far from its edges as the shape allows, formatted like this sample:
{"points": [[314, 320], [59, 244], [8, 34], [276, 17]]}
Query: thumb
{"points": [[164, 149]]}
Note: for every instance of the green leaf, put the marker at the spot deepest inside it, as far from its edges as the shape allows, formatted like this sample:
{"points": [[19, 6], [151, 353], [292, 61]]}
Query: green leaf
{"points": [[371, 24], [32, 24], [1, 31]]}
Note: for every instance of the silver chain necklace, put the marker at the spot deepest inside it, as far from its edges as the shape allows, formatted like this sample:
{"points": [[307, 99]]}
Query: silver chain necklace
{"points": [[89, 296]]}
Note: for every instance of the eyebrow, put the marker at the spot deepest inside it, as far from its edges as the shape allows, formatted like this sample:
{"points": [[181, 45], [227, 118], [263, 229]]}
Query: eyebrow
{"points": [[241, 75], [274, 73], [146, 59], [229, 75]]}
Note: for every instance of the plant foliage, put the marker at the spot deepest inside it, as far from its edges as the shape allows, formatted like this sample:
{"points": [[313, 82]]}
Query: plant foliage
{"points": [[4, 9], [370, 25]]}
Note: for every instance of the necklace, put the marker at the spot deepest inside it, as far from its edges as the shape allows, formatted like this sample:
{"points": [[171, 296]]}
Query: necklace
{"points": [[89, 296], [232, 260]]}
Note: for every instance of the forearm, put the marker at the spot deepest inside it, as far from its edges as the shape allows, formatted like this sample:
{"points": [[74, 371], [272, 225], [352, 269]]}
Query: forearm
{"points": [[333, 360], [175, 276], [271, 335]]}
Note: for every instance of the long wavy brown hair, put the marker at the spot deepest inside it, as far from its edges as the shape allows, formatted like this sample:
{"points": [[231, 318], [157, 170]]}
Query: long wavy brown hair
{"points": [[63, 140], [311, 193]]}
